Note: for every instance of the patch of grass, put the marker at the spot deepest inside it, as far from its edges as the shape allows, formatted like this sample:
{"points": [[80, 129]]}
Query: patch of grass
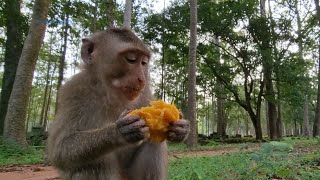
{"points": [[12, 154], [274, 160], [214, 167], [211, 145]]}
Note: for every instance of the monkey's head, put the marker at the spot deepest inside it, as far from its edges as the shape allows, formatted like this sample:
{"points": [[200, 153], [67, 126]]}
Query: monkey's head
{"points": [[119, 59]]}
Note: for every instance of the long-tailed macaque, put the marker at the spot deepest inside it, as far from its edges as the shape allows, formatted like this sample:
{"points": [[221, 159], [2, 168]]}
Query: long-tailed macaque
{"points": [[93, 137]]}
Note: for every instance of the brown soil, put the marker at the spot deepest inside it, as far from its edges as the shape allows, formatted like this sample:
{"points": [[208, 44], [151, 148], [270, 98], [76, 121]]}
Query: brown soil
{"points": [[43, 172], [28, 172]]}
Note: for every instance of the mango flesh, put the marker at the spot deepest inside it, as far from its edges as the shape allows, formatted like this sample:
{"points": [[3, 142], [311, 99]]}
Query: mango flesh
{"points": [[158, 117]]}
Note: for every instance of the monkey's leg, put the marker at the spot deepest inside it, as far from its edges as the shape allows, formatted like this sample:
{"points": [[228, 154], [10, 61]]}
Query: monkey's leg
{"points": [[150, 162]]}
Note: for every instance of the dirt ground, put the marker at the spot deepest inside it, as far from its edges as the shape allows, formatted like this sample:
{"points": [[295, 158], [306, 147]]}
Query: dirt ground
{"points": [[28, 172], [43, 172]]}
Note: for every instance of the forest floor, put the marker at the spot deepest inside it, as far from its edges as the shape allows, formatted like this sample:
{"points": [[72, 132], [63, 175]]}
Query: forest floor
{"points": [[43, 172]]}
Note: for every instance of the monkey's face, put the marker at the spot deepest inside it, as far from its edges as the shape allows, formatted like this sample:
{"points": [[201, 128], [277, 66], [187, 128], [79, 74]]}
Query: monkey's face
{"points": [[131, 76], [120, 61]]}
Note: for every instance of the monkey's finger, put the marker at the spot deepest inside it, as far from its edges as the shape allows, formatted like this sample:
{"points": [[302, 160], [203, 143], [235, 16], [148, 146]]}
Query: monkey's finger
{"points": [[146, 132], [181, 123], [178, 130], [133, 127], [175, 137], [128, 119], [134, 137], [124, 113]]}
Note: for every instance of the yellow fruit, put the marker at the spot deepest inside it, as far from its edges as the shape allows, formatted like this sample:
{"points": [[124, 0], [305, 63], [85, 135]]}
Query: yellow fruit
{"points": [[158, 117]]}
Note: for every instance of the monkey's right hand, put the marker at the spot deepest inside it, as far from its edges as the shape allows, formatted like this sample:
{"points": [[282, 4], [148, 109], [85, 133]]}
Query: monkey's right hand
{"points": [[132, 128]]}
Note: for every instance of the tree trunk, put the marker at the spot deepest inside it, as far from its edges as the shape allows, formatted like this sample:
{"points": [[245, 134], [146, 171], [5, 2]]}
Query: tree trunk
{"points": [[277, 58], [213, 114], [94, 23], [306, 128], [257, 125], [238, 126], [192, 140], [110, 12], [12, 54], [63, 56], [247, 126], [49, 99], [267, 117], [30, 105], [45, 118], [163, 57], [45, 92], [208, 115], [279, 118], [127, 14], [16, 116], [316, 124], [268, 69], [221, 125], [296, 129]]}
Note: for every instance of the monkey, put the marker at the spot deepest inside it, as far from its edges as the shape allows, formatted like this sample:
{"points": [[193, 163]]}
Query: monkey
{"points": [[93, 136]]}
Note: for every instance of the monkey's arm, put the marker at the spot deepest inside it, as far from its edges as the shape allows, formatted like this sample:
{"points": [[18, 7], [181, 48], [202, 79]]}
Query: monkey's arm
{"points": [[78, 147], [73, 149]]}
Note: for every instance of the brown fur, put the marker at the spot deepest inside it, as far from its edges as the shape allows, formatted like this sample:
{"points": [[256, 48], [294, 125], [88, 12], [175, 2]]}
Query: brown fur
{"points": [[84, 142]]}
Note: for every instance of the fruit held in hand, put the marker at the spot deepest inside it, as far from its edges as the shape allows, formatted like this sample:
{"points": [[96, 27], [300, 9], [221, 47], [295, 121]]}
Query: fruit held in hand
{"points": [[158, 117]]}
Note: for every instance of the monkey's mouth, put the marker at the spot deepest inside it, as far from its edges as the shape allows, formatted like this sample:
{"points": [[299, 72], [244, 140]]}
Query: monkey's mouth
{"points": [[132, 92]]}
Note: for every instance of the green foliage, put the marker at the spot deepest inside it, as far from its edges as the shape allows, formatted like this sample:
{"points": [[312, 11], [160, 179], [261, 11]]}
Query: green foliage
{"points": [[215, 167], [210, 145], [289, 159], [272, 161], [37, 136], [13, 154]]}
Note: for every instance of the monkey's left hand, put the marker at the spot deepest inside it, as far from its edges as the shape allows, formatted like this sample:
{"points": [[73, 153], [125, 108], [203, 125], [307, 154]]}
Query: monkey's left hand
{"points": [[178, 130]]}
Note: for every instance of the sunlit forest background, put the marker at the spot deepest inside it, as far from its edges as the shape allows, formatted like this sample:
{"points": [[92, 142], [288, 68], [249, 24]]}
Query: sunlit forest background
{"points": [[257, 78], [257, 69]]}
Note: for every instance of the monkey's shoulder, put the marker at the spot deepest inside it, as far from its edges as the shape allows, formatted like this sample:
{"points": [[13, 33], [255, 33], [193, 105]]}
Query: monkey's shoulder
{"points": [[76, 87]]}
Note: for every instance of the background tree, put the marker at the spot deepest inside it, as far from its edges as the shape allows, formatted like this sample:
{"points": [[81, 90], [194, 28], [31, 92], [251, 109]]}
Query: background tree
{"points": [[192, 139], [15, 28], [127, 14], [267, 58], [62, 63], [17, 109], [316, 125]]}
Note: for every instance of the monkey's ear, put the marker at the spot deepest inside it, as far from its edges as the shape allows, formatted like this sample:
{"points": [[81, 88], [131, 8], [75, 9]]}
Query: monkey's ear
{"points": [[86, 50]]}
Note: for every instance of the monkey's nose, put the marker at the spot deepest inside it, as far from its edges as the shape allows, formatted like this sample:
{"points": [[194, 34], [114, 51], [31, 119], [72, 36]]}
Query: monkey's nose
{"points": [[141, 82]]}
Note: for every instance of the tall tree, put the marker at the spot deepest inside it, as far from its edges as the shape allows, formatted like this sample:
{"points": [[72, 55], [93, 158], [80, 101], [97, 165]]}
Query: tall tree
{"points": [[247, 93], [192, 141], [110, 12], [221, 117], [64, 50], [127, 14], [305, 129], [266, 53], [316, 124], [95, 13], [163, 54], [276, 70], [17, 108], [43, 108], [12, 54]]}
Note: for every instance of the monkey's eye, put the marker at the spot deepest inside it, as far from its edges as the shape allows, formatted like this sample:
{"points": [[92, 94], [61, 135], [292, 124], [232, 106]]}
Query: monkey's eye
{"points": [[145, 61], [131, 58]]}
